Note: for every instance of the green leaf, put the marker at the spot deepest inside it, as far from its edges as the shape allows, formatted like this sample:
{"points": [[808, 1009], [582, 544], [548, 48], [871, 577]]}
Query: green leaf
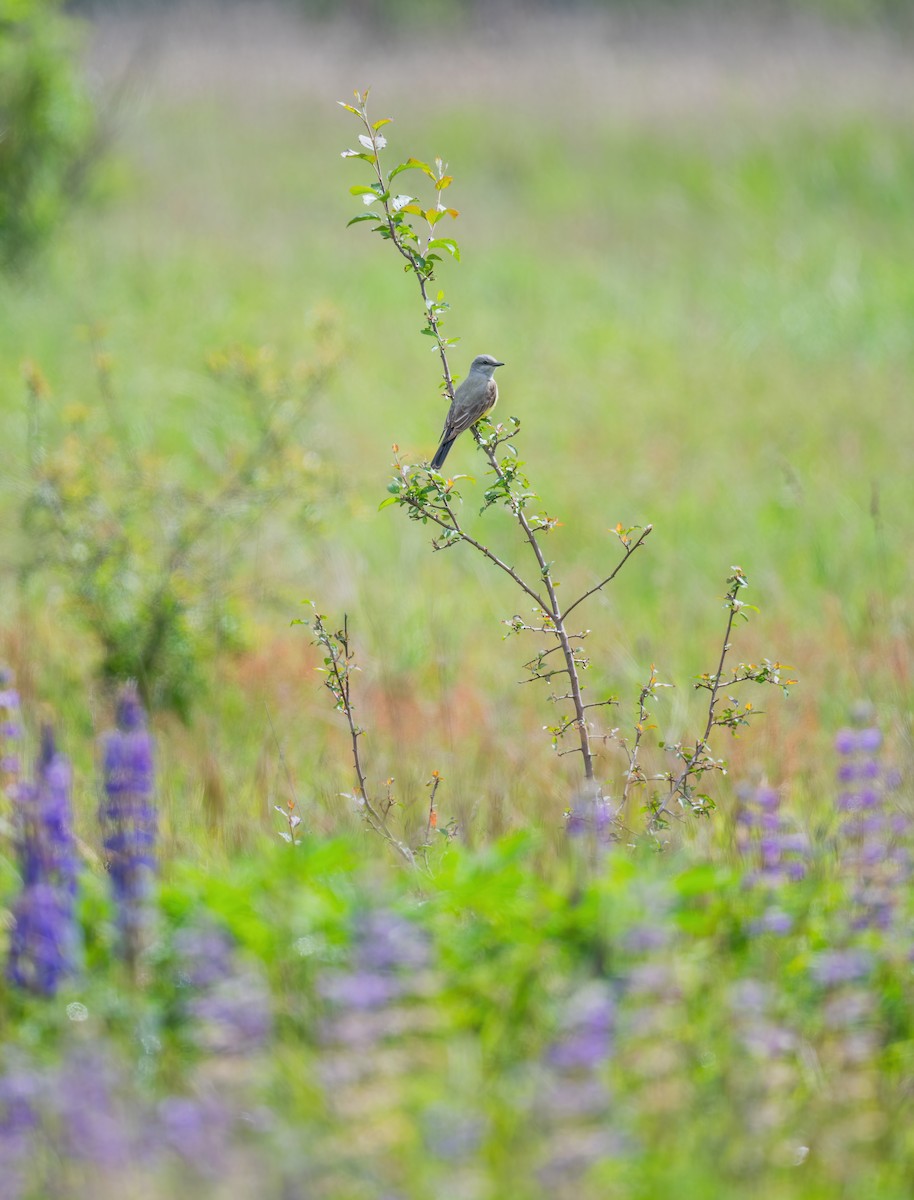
{"points": [[388, 501], [412, 164], [363, 217], [349, 108], [445, 244], [383, 121], [360, 189]]}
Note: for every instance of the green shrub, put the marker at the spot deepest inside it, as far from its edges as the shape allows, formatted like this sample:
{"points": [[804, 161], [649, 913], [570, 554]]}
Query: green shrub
{"points": [[46, 123]]}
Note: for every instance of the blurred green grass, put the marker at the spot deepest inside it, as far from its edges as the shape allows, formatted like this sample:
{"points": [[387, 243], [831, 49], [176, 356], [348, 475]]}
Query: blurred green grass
{"points": [[707, 323]]}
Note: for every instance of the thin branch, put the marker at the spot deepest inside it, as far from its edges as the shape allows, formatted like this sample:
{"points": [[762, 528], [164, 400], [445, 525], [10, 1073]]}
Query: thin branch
{"points": [[701, 746], [338, 683], [629, 551]]}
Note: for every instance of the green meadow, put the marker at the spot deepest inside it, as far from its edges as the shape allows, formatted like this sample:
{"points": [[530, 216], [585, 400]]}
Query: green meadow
{"points": [[705, 306], [692, 245]]}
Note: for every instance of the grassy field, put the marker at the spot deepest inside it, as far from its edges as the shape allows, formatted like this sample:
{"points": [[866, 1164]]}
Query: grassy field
{"points": [[694, 257], [692, 247]]}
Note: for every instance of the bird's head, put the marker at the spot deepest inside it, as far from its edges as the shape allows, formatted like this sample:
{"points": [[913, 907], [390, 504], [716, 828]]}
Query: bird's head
{"points": [[485, 364]]}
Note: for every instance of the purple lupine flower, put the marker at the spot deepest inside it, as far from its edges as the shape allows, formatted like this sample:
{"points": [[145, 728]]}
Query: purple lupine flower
{"points": [[47, 852], [197, 1131], [585, 1043], [768, 1072], [234, 1016], [388, 952], [229, 1002], [833, 967], [573, 1096], [763, 834], [20, 1091], [848, 1044], [593, 816], [206, 955], [371, 1006], [10, 729], [388, 942], [360, 991], [128, 818], [94, 1116], [43, 942], [871, 845]]}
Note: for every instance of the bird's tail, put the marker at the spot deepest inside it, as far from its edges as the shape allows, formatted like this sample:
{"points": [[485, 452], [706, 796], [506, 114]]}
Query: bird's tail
{"points": [[441, 453]]}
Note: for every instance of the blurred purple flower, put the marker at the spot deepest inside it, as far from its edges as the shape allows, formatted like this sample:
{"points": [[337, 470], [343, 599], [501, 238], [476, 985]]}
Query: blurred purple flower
{"points": [[767, 799], [387, 953], [229, 1003], [234, 1016], [10, 727], [43, 941], [590, 815], [586, 1040], [20, 1092], [386, 941], [89, 1101], [128, 817], [641, 939], [573, 1097], [360, 990], [781, 853], [750, 996], [876, 866], [198, 1131], [834, 967], [46, 847], [205, 953], [869, 740], [849, 741], [773, 920], [20, 1089]]}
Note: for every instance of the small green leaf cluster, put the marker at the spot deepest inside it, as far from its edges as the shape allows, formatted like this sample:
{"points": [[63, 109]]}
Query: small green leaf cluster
{"points": [[683, 786], [403, 219]]}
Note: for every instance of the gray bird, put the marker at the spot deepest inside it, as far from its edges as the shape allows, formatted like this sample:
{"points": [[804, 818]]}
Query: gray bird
{"points": [[475, 397]]}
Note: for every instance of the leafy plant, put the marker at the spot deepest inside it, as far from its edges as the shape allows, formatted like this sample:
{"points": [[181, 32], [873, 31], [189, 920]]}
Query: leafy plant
{"points": [[142, 552], [411, 225]]}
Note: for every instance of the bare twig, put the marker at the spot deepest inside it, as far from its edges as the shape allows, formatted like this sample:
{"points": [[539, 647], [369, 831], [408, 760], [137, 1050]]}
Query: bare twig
{"points": [[338, 667]]}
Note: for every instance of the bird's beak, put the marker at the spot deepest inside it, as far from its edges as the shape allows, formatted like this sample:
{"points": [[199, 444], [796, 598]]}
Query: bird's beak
{"points": [[499, 364]]}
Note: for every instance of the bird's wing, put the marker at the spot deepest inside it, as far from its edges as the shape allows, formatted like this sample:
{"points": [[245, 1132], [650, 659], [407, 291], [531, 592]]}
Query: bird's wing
{"points": [[474, 406]]}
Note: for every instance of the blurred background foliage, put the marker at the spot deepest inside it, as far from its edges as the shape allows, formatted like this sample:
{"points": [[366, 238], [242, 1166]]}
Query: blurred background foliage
{"points": [[399, 15], [47, 123]]}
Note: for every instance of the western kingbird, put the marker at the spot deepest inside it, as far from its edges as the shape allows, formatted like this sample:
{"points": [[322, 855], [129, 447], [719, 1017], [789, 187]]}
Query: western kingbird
{"points": [[475, 397]]}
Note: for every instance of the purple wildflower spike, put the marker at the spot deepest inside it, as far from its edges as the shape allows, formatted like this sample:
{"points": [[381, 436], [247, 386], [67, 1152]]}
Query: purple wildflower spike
{"points": [[781, 853], [128, 817], [43, 943], [873, 851], [10, 729]]}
